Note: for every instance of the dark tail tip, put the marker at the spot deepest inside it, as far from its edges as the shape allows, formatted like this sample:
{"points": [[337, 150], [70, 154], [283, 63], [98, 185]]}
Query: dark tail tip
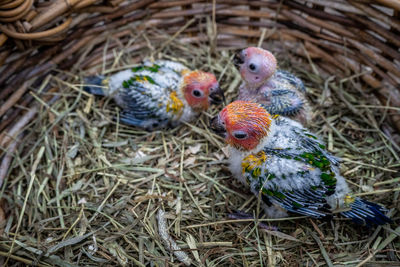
{"points": [[366, 213], [94, 85]]}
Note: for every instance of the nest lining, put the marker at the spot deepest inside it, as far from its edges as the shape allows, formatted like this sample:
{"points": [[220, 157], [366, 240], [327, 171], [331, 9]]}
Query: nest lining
{"points": [[85, 190]]}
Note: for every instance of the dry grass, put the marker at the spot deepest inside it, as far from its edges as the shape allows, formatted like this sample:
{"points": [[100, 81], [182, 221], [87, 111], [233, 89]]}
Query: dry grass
{"points": [[85, 190]]}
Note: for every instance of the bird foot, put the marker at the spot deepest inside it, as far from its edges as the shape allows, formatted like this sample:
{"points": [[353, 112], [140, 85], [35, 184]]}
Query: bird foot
{"points": [[240, 215]]}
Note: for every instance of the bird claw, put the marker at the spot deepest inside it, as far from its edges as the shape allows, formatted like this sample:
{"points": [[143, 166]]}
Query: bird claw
{"points": [[240, 215]]}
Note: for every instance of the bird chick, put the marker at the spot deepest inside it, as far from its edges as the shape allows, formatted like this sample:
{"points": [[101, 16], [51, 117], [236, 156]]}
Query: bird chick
{"points": [[288, 166], [159, 94], [279, 91]]}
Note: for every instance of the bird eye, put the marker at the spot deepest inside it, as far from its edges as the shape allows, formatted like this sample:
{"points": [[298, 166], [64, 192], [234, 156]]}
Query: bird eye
{"points": [[197, 93], [240, 135], [253, 67]]}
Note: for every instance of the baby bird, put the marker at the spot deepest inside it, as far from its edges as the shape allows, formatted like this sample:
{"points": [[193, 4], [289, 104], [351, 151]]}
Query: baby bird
{"points": [[158, 95], [288, 167], [279, 91]]}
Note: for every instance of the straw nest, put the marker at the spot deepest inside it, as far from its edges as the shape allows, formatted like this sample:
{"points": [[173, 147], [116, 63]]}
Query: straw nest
{"points": [[85, 190]]}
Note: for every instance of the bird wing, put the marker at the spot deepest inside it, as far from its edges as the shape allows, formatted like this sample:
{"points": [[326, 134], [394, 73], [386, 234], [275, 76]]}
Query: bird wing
{"points": [[290, 183], [172, 65], [167, 74], [286, 94], [297, 177], [284, 102], [312, 144], [149, 97], [295, 82]]}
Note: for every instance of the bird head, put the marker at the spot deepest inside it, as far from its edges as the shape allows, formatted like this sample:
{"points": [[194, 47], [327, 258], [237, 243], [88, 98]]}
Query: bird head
{"points": [[255, 65], [243, 124], [201, 89]]}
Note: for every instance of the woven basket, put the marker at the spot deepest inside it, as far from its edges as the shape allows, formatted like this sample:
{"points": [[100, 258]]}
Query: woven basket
{"points": [[343, 40]]}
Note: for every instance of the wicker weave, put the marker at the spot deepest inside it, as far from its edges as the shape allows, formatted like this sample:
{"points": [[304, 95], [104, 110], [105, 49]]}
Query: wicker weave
{"points": [[341, 37], [45, 43]]}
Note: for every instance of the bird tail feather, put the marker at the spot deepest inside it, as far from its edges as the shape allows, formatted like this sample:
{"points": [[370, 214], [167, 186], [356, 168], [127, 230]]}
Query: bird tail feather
{"points": [[136, 119], [94, 85], [366, 213]]}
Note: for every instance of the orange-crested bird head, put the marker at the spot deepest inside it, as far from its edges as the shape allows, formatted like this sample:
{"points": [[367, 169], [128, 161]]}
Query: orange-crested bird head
{"points": [[243, 124], [201, 89], [256, 65]]}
